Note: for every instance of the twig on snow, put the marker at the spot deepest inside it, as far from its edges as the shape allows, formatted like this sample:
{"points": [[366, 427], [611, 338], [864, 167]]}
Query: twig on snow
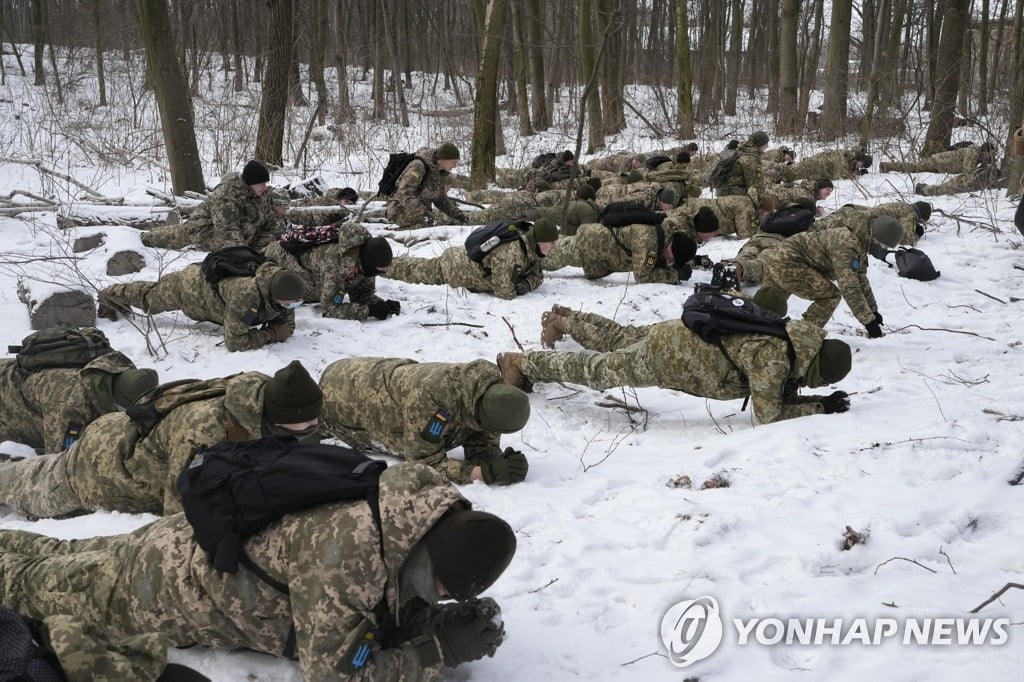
{"points": [[903, 558], [995, 596]]}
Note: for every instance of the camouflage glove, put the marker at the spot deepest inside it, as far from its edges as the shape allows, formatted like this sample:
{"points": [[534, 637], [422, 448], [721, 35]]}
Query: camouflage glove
{"points": [[277, 332], [467, 630], [379, 309], [510, 466], [838, 402]]}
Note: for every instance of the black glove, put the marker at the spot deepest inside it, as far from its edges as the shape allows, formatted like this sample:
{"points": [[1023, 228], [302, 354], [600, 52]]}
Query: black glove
{"points": [[522, 287], [510, 466], [468, 630], [379, 309], [460, 219], [703, 262], [394, 307], [874, 327], [683, 271], [878, 317], [839, 401]]}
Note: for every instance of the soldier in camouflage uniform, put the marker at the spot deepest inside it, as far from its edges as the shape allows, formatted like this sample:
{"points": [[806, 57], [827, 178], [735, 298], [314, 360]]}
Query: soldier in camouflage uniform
{"points": [[113, 466], [835, 164], [510, 269], [155, 588], [337, 199], [813, 190], [341, 275], [668, 355], [746, 177], [238, 212], [735, 214], [806, 264], [423, 184], [963, 160], [421, 411], [675, 175], [911, 217], [984, 177], [48, 408], [631, 188], [581, 210], [619, 162], [254, 311], [648, 251]]}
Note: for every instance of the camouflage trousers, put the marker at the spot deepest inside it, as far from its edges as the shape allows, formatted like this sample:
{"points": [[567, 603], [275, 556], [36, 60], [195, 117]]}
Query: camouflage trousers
{"points": [[40, 487], [618, 365], [168, 236], [70, 585], [788, 278], [595, 332], [417, 270], [965, 182], [164, 295]]}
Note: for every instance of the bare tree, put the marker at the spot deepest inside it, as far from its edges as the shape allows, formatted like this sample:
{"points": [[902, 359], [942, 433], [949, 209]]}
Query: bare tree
{"points": [[39, 39], [787, 121], [588, 61], [273, 103], [172, 97], [946, 77], [684, 75], [486, 118], [833, 118]]}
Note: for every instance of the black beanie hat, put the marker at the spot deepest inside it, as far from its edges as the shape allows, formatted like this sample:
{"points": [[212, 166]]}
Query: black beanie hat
{"points": [[566, 156], [923, 210], [374, 255], [469, 550], [254, 173], [705, 220], [822, 183], [683, 157], [291, 396], [683, 248]]}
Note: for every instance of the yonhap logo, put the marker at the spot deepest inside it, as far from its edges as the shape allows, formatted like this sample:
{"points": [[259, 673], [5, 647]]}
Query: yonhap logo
{"points": [[692, 630]]}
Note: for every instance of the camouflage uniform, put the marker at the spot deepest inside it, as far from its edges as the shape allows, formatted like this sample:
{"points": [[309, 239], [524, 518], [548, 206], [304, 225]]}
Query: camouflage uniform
{"points": [[42, 409], [499, 272], [807, 263], [669, 355], [331, 273], [595, 249], [232, 216], [157, 583], [112, 466], [736, 214], [746, 177], [510, 205], [833, 164], [963, 160], [676, 177], [902, 212], [421, 185], [619, 162], [985, 177], [240, 304], [749, 255], [787, 194], [390, 405], [645, 193], [339, 213]]}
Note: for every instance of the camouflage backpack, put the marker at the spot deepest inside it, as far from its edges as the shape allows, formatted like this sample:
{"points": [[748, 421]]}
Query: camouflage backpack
{"points": [[157, 403], [60, 347]]}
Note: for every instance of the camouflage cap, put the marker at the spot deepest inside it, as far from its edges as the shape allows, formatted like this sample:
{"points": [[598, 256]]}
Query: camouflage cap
{"points": [[470, 549], [503, 408], [291, 396], [447, 152], [130, 384]]}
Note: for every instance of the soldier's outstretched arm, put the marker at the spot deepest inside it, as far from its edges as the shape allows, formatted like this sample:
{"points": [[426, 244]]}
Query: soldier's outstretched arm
{"points": [[239, 314], [505, 263], [765, 361], [851, 278]]}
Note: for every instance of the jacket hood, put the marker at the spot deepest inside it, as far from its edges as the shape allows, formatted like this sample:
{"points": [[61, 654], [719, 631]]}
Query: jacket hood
{"points": [[806, 339], [264, 274], [476, 377], [413, 497], [243, 399], [351, 235], [427, 154], [113, 363]]}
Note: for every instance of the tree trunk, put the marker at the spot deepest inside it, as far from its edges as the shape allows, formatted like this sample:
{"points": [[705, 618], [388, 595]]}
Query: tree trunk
{"points": [[734, 57], [274, 101], [319, 24], [39, 40], [877, 65], [588, 62], [711, 48], [522, 68], [809, 67], [786, 118], [172, 98], [97, 22], [833, 116], [983, 59], [396, 74], [684, 82], [379, 112], [343, 112], [947, 72], [486, 118], [236, 39], [535, 31]]}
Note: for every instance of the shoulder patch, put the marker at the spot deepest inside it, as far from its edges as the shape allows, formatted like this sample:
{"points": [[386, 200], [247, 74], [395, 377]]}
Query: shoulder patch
{"points": [[855, 264], [435, 427], [338, 297], [249, 317], [651, 259]]}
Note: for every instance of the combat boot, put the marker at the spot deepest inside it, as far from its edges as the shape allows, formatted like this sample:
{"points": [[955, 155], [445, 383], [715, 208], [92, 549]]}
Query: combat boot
{"points": [[552, 328], [511, 367]]}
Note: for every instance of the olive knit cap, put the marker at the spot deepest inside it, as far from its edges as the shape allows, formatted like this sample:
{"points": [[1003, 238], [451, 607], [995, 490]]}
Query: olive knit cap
{"points": [[447, 152], [831, 364], [545, 230], [291, 396], [286, 285], [130, 384], [503, 408]]}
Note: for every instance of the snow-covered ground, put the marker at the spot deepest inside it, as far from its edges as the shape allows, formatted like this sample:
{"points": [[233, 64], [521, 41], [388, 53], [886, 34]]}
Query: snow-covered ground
{"points": [[609, 540]]}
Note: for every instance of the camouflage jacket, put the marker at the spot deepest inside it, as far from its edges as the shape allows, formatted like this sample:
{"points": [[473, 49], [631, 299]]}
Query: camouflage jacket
{"points": [[417, 411], [41, 409], [762, 368], [233, 216], [332, 274], [423, 184], [833, 164], [637, 250], [645, 193], [240, 304], [113, 467], [839, 253], [784, 195], [498, 273], [746, 177], [901, 211], [736, 214], [619, 162], [158, 582]]}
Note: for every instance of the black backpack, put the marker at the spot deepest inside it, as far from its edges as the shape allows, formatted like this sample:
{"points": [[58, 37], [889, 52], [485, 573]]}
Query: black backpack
{"points": [[232, 261], [542, 160], [396, 164], [231, 490], [711, 314], [719, 174], [915, 264], [789, 220], [485, 238], [622, 213], [22, 659], [59, 347], [654, 161]]}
